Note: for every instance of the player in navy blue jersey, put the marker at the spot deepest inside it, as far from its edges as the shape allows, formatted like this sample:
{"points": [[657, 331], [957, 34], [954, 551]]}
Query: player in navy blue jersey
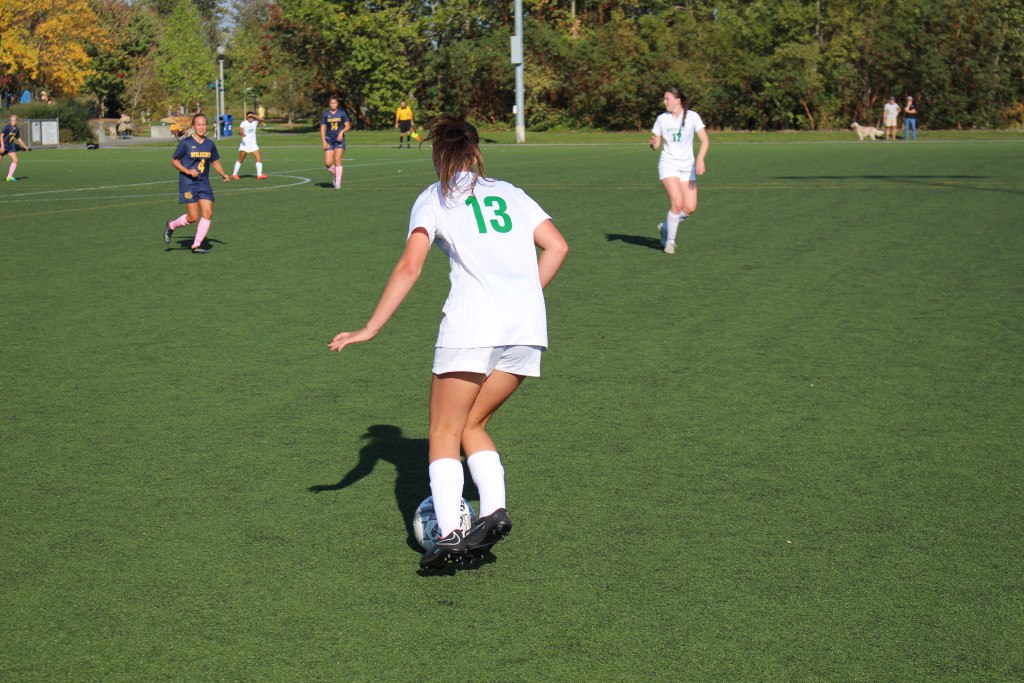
{"points": [[193, 158], [334, 123], [10, 140]]}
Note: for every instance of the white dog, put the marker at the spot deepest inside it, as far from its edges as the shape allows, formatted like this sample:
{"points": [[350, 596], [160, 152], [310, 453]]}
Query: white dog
{"points": [[867, 131]]}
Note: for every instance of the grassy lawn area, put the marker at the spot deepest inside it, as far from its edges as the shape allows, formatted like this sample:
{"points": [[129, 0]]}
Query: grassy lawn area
{"points": [[792, 451]]}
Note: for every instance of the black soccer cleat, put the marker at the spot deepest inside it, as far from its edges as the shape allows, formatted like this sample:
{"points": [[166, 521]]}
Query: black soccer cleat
{"points": [[168, 230], [487, 531], [200, 250], [452, 549]]}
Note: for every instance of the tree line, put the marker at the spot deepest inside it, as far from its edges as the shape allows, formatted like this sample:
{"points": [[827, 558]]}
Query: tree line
{"points": [[759, 64]]}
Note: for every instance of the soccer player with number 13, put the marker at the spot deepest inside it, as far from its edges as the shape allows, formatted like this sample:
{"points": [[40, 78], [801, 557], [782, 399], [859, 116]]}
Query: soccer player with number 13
{"points": [[493, 329]]}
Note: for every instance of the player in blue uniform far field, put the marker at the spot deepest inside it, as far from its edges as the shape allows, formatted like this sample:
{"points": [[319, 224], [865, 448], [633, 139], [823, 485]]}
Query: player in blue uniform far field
{"points": [[193, 158], [10, 140], [334, 123]]}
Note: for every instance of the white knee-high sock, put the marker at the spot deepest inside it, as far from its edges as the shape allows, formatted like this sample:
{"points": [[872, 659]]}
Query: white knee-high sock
{"points": [[259, 168], [446, 480], [238, 165], [489, 477], [672, 222]]}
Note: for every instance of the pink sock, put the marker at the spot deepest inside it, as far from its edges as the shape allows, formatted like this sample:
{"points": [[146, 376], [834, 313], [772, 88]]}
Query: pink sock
{"points": [[330, 169], [10, 171], [179, 221], [204, 227], [337, 175]]}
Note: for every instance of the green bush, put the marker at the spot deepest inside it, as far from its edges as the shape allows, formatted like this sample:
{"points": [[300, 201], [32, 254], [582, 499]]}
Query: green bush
{"points": [[74, 118]]}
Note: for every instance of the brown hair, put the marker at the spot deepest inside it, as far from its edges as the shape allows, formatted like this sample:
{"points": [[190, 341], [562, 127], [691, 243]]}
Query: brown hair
{"points": [[456, 148], [682, 98]]}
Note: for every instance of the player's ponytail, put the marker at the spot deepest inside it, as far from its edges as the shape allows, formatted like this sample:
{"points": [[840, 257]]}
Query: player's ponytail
{"points": [[456, 148]]}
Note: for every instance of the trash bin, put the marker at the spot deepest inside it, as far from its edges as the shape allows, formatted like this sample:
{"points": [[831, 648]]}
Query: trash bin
{"points": [[226, 122]]}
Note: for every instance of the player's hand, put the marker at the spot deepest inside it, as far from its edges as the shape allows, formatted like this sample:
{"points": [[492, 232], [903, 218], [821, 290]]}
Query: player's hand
{"points": [[227, 179], [653, 142], [343, 339], [325, 146], [193, 172], [700, 167]]}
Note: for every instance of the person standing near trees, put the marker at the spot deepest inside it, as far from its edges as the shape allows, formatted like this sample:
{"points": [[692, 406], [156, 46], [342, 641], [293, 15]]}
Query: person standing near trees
{"points": [[405, 124], [9, 143], [910, 119], [891, 116], [334, 123], [677, 169]]}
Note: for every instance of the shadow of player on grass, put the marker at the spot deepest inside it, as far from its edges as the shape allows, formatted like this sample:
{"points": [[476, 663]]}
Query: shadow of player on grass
{"points": [[185, 243], [409, 457], [636, 240]]}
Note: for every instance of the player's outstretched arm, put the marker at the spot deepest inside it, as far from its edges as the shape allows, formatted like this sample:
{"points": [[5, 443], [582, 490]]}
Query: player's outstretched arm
{"points": [[554, 249], [220, 169], [403, 277]]}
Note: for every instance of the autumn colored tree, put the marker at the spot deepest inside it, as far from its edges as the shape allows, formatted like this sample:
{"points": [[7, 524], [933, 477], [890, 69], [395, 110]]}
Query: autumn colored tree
{"points": [[43, 43]]}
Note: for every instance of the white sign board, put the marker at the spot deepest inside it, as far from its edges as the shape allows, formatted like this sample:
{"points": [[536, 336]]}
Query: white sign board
{"points": [[44, 132]]}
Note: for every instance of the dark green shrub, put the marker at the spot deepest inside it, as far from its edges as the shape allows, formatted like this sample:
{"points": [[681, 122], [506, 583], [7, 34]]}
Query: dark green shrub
{"points": [[74, 118]]}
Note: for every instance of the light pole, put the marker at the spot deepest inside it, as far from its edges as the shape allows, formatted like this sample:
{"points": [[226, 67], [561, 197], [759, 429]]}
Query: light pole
{"points": [[517, 60], [220, 88]]}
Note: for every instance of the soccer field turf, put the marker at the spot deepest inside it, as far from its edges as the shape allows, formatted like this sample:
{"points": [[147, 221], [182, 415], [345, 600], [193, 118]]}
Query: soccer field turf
{"points": [[790, 451]]}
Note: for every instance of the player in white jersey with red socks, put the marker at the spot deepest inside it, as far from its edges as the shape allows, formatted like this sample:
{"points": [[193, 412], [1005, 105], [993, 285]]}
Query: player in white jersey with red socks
{"points": [[493, 329], [673, 131], [249, 146]]}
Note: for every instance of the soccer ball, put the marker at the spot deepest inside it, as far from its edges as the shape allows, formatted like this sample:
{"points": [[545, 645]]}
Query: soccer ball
{"points": [[424, 522]]}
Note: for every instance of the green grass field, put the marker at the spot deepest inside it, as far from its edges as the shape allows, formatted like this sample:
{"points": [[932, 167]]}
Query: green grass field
{"points": [[790, 452]]}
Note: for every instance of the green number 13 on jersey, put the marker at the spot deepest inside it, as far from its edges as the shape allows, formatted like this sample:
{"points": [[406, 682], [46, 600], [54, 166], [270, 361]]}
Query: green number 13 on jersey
{"points": [[501, 222]]}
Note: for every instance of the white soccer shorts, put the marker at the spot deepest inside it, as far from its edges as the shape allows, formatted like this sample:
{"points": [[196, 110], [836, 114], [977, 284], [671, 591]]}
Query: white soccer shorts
{"points": [[685, 172], [515, 360]]}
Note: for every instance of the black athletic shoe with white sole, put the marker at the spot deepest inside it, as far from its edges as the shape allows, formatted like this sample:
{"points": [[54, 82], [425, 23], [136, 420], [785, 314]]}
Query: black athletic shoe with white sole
{"points": [[452, 549], [487, 531], [200, 250], [167, 233]]}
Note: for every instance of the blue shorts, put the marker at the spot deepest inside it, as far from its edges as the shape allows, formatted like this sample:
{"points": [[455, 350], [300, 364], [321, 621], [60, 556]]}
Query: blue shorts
{"points": [[192, 194], [8, 149], [335, 144]]}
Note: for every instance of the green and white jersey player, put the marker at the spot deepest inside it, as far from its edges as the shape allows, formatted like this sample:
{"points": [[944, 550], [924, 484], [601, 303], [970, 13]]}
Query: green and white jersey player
{"points": [[493, 328], [673, 132]]}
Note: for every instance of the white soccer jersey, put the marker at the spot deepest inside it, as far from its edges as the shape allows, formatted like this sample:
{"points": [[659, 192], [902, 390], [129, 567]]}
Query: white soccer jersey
{"points": [[495, 298], [676, 139], [248, 129]]}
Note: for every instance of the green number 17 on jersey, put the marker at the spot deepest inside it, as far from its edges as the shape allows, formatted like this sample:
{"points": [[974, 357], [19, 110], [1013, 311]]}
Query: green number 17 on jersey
{"points": [[498, 207]]}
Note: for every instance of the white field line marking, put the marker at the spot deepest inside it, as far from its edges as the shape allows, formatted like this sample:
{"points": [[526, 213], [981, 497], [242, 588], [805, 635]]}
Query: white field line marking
{"points": [[300, 181], [282, 174]]}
